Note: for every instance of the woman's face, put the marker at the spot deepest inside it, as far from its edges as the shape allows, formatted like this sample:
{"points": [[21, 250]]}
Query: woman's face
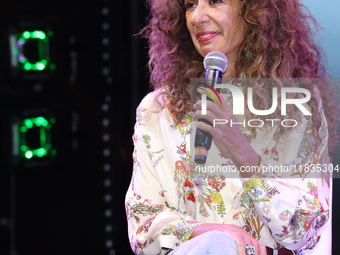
{"points": [[215, 25]]}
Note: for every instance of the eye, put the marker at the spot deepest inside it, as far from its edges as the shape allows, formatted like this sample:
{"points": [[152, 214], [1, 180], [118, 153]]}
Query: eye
{"points": [[216, 1], [189, 5]]}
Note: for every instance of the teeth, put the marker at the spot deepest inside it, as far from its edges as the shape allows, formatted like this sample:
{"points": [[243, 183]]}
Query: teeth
{"points": [[205, 36]]}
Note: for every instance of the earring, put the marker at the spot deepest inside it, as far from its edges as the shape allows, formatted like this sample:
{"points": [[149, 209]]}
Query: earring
{"points": [[249, 53]]}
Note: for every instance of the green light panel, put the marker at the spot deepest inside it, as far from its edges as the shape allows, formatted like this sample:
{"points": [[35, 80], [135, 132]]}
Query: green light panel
{"points": [[30, 51], [33, 138]]}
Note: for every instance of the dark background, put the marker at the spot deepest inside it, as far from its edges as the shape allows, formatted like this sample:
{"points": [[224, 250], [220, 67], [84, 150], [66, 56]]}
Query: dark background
{"points": [[73, 202]]}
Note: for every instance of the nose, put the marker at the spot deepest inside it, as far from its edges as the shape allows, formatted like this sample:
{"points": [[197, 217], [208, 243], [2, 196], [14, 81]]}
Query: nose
{"points": [[200, 15]]}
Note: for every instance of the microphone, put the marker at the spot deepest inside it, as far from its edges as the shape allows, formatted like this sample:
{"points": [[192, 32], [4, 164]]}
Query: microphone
{"points": [[215, 64]]}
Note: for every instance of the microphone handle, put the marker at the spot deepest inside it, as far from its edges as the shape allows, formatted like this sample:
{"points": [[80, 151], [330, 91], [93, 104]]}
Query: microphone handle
{"points": [[203, 139]]}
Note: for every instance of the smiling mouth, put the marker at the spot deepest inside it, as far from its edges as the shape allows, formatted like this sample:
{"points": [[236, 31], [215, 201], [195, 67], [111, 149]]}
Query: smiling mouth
{"points": [[206, 36]]}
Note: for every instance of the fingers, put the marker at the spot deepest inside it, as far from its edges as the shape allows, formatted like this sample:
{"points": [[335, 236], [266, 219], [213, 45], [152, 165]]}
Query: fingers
{"points": [[244, 244], [212, 94], [242, 239], [262, 249], [212, 112], [241, 246], [216, 100], [259, 248]]}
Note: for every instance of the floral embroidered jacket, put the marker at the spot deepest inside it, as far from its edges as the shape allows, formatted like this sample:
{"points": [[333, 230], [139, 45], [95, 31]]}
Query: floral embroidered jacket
{"points": [[165, 202]]}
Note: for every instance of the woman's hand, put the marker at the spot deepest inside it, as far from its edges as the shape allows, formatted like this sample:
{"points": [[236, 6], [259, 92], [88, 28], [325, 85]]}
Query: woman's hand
{"points": [[241, 237], [228, 138]]}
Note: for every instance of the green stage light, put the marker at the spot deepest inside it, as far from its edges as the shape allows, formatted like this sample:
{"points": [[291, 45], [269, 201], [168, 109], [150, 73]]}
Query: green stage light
{"points": [[28, 123], [38, 34], [31, 51], [40, 66], [27, 66], [33, 138], [26, 34], [28, 154]]}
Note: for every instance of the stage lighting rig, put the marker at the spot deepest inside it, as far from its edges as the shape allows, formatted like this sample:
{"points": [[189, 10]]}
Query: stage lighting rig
{"points": [[33, 138], [30, 51]]}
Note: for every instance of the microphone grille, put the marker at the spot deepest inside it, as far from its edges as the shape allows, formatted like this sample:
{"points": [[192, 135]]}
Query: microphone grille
{"points": [[215, 60]]}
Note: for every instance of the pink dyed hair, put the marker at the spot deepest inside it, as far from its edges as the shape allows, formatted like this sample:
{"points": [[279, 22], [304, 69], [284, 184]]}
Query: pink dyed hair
{"points": [[280, 34]]}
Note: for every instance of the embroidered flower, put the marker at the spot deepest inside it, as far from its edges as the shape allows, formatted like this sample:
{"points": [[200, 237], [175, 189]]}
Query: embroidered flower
{"points": [[135, 138], [284, 216], [246, 199], [266, 209], [255, 192], [168, 230], [183, 149], [179, 164], [314, 192], [216, 197], [307, 224], [320, 222], [305, 212], [274, 151], [216, 184], [188, 183], [211, 181], [191, 197], [236, 216], [184, 123], [252, 183]]}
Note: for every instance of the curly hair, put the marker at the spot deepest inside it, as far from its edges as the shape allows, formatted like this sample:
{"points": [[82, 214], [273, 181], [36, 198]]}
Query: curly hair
{"points": [[279, 33]]}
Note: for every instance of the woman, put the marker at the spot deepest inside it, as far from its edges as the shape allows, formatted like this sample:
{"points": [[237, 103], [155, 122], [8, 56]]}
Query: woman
{"points": [[166, 206]]}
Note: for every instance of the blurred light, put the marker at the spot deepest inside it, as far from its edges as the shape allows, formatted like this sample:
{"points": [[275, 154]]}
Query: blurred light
{"points": [[33, 137], [108, 99], [107, 182], [107, 198], [108, 228], [106, 71], [105, 11], [105, 26], [105, 107], [38, 34], [28, 123], [106, 152], [41, 152], [108, 243], [40, 66], [105, 56], [28, 154], [107, 167], [108, 213], [106, 122], [26, 34], [106, 137], [109, 80], [28, 66], [30, 50], [105, 41]]}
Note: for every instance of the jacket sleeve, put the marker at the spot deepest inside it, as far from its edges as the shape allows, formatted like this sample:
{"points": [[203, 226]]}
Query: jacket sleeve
{"points": [[292, 200], [152, 224]]}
